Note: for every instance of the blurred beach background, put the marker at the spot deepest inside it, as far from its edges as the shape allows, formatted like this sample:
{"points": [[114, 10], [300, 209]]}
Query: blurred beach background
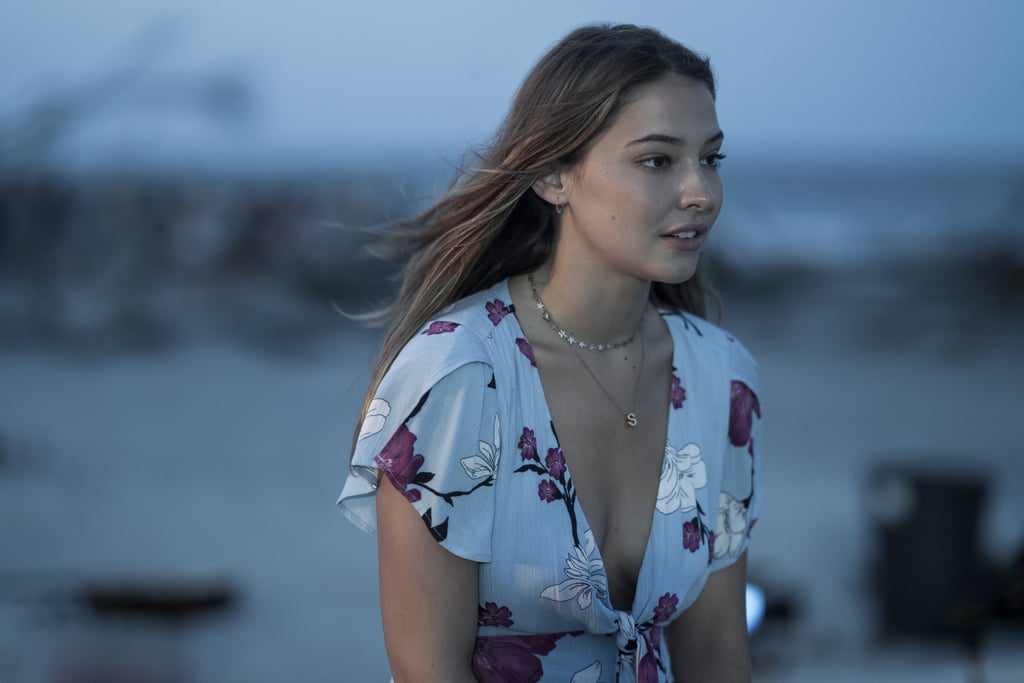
{"points": [[179, 386]]}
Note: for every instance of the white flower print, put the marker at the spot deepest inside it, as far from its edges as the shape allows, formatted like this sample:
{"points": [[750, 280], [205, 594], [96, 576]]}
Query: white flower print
{"points": [[376, 415], [682, 473], [485, 464], [732, 526], [585, 576], [591, 674]]}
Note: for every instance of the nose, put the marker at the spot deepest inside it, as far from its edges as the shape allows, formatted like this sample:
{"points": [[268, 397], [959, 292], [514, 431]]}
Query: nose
{"points": [[698, 190]]}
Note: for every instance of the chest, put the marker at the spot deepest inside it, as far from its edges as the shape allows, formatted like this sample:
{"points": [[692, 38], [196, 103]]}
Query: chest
{"points": [[614, 468]]}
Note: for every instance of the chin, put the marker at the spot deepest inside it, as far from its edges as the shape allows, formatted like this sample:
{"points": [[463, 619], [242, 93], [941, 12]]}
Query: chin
{"points": [[678, 268], [677, 276]]}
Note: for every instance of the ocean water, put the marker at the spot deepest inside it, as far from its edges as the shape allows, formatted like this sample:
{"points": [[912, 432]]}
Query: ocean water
{"points": [[844, 218], [839, 214]]}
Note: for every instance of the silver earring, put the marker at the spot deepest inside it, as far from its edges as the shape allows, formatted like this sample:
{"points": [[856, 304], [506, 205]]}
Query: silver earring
{"points": [[559, 208]]}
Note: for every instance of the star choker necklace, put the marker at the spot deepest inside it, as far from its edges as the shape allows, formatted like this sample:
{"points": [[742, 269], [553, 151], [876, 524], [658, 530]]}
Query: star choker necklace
{"points": [[570, 338]]}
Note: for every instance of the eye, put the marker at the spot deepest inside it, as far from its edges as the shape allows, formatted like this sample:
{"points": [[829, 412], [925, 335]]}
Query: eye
{"points": [[657, 162], [713, 160]]}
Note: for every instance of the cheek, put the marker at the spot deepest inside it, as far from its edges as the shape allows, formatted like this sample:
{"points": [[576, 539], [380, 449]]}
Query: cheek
{"points": [[719, 190]]}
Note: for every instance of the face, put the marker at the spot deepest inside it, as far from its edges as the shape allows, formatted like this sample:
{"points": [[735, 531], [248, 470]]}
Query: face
{"points": [[644, 197]]}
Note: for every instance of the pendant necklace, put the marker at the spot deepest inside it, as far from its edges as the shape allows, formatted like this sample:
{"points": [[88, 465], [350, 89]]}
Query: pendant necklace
{"points": [[629, 416]]}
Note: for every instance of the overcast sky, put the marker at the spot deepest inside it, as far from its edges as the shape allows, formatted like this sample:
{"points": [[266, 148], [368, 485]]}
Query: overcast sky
{"points": [[329, 79]]}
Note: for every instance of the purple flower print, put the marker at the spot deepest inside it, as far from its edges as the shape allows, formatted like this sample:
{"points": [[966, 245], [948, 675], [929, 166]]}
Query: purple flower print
{"points": [[492, 615], [528, 444], [440, 327], [691, 535], [678, 393], [399, 465], [743, 404], [497, 310], [711, 546], [653, 638], [667, 605], [511, 659], [555, 462], [648, 669], [526, 350], [547, 491]]}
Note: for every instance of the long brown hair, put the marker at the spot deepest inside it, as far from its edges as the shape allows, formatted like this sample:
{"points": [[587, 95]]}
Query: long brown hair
{"points": [[489, 225]]}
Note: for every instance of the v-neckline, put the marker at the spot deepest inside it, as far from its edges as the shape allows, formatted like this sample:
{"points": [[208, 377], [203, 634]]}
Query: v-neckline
{"points": [[581, 513]]}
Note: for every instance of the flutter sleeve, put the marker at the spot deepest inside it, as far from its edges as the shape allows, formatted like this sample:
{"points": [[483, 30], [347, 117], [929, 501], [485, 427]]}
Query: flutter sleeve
{"points": [[437, 440], [742, 492]]}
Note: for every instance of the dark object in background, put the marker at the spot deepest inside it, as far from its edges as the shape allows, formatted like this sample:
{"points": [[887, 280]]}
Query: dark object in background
{"points": [[1010, 603], [168, 599], [133, 626], [928, 575]]}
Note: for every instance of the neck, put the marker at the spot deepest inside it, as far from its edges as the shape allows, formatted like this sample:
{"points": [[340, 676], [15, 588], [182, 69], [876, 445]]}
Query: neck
{"points": [[600, 309]]}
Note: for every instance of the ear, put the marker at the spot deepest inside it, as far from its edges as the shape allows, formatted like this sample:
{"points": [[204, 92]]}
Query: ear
{"points": [[550, 188]]}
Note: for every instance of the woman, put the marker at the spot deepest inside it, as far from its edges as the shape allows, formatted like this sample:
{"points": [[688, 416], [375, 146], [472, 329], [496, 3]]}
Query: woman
{"points": [[534, 521]]}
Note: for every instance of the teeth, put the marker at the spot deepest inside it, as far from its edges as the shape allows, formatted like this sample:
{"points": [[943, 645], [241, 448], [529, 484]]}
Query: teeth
{"points": [[685, 235]]}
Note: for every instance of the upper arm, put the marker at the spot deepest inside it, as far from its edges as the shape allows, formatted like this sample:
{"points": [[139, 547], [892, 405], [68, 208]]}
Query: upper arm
{"points": [[428, 596], [709, 639], [437, 457]]}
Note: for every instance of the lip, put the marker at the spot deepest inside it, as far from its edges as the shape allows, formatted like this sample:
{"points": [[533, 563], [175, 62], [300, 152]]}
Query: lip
{"points": [[688, 243]]}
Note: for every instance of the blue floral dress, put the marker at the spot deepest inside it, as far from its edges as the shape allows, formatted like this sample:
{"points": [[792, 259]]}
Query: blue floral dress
{"points": [[460, 425]]}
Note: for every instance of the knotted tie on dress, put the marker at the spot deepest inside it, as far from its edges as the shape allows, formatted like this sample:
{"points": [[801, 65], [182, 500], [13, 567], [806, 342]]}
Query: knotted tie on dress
{"points": [[635, 663]]}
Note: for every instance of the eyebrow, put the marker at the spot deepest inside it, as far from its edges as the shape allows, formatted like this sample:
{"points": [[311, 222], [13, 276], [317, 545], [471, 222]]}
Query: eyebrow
{"points": [[671, 140]]}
